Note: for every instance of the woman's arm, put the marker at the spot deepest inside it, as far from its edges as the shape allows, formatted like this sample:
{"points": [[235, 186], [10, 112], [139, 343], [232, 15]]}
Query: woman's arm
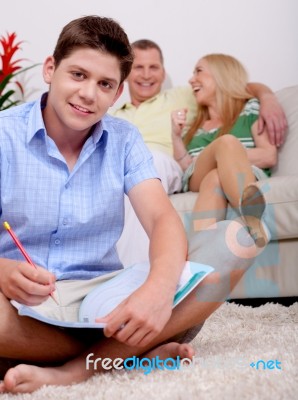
{"points": [[180, 153], [264, 155], [272, 117]]}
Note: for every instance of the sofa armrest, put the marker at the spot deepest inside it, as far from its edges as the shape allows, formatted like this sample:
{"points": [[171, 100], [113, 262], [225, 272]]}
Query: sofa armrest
{"points": [[281, 212]]}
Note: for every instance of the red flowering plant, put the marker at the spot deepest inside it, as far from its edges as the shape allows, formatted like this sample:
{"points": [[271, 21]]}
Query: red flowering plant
{"points": [[9, 69]]}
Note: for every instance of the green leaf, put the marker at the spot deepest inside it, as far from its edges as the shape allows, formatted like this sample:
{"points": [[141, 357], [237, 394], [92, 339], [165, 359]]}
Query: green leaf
{"points": [[5, 101], [5, 81], [5, 98], [26, 69], [10, 104]]}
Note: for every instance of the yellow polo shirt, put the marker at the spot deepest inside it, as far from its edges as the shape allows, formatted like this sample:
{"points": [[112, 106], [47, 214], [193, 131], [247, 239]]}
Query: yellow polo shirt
{"points": [[153, 116]]}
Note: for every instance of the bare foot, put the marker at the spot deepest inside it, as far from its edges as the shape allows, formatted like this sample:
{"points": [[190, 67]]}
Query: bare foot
{"points": [[28, 378], [171, 350]]}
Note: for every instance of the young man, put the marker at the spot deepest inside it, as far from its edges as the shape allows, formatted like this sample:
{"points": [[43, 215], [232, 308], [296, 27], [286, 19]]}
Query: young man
{"points": [[150, 110], [65, 166]]}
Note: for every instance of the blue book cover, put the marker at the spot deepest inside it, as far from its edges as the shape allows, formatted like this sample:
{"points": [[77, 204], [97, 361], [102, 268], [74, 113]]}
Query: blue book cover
{"points": [[107, 295]]}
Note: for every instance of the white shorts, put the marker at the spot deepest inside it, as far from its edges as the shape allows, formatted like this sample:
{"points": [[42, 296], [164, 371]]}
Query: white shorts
{"points": [[258, 173], [70, 294]]}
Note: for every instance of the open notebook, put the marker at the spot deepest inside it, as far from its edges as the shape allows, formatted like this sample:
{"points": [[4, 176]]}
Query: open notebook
{"points": [[107, 295]]}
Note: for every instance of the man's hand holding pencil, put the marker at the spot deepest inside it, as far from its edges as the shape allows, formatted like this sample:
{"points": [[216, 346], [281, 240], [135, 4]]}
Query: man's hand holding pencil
{"points": [[20, 282]]}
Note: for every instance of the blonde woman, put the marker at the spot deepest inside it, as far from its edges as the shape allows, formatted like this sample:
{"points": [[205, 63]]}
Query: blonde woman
{"points": [[222, 151]]}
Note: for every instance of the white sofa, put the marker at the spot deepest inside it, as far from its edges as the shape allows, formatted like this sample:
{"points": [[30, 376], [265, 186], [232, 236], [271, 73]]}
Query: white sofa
{"points": [[275, 271]]}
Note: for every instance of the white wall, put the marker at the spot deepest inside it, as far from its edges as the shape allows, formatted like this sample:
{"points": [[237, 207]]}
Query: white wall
{"points": [[263, 34]]}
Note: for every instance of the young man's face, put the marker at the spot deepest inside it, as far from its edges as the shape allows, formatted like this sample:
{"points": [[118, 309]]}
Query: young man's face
{"points": [[146, 77], [82, 88]]}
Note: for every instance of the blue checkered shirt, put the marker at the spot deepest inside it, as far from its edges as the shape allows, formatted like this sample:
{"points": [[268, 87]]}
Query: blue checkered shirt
{"points": [[68, 222]]}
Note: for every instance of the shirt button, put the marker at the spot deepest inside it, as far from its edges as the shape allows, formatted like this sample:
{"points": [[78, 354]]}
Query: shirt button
{"points": [[67, 186], [57, 241], [65, 221]]}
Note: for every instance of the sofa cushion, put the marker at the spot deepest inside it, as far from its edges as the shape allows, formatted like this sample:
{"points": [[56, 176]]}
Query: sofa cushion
{"points": [[281, 190], [287, 155], [281, 212]]}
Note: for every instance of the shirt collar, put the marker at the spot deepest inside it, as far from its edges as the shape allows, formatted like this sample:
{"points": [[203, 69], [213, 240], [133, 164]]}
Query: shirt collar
{"points": [[128, 105], [36, 123], [97, 132]]}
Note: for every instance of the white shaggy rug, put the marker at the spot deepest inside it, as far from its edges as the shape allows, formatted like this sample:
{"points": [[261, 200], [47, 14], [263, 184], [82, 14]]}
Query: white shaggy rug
{"points": [[233, 338]]}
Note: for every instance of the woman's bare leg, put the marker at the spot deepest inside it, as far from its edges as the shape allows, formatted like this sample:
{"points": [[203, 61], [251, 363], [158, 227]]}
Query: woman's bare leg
{"points": [[228, 156], [211, 204], [221, 174]]}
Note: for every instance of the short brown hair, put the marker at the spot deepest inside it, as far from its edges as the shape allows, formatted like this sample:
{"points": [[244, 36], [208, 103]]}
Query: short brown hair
{"points": [[97, 33], [145, 44]]}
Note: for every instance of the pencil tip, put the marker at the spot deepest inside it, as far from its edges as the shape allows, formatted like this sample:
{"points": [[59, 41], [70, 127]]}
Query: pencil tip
{"points": [[54, 298]]}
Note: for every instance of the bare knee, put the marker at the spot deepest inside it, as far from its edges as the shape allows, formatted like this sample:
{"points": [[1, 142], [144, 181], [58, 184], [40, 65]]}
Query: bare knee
{"points": [[228, 145], [228, 142], [5, 305], [7, 316]]}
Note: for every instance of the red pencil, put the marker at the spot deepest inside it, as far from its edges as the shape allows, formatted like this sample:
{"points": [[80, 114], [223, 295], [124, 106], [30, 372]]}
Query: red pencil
{"points": [[23, 251]]}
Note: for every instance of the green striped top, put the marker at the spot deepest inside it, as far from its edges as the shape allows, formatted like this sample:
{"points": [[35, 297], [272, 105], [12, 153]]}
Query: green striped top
{"points": [[241, 129]]}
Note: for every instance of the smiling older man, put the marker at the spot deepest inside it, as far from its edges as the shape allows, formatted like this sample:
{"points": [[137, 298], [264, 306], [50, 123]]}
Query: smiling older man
{"points": [[150, 109]]}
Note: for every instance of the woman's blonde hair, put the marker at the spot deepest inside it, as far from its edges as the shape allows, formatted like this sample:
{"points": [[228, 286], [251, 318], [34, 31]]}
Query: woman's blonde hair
{"points": [[231, 94]]}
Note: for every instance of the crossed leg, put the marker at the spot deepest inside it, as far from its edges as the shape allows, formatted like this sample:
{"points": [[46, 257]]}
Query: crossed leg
{"points": [[221, 172], [31, 336]]}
